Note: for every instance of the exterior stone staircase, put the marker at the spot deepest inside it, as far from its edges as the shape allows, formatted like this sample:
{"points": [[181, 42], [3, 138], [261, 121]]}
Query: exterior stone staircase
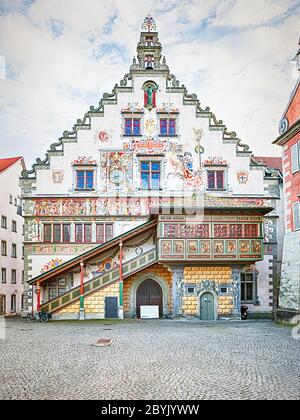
{"points": [[102, 281]]}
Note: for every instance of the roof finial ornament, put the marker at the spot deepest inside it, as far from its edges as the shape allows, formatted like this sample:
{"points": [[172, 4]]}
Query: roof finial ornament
{"points": [[149, 24]]}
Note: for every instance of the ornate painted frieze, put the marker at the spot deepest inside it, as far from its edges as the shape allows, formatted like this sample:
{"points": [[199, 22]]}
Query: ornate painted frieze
{"points": [[133, 109], [51, 249], [112, 206], [84, 160], [186, 231], [167, 108], [215, 161], [210, 241], [147, 147]]}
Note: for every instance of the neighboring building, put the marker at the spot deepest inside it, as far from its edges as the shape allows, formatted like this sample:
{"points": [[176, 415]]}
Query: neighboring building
{"points": [[11, 237], [289, 139], [150, 200]]}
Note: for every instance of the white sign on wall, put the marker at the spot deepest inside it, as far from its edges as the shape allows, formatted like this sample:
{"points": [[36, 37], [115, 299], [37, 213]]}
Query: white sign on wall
{"points": [[149, 312]]}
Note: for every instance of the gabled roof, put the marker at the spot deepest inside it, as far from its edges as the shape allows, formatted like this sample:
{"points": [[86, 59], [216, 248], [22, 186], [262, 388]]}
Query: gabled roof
{"points": [[270, 162], [292, 109], [7, 162]]}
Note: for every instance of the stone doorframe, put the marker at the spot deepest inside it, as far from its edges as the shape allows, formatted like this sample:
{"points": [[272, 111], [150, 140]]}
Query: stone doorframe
{"points": [[139, 280], [216, 303]]}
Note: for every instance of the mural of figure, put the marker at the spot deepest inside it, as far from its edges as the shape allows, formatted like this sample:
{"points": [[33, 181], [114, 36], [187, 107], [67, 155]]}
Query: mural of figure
{"points": [[256, 246], [245, 247], [100, 210], [219, 247], [205, 248], [187, 161], [230, 247]]}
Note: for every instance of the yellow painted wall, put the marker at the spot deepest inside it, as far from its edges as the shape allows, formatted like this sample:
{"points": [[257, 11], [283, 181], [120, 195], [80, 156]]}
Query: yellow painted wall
{"points": [[196, 275], [95, 303]]}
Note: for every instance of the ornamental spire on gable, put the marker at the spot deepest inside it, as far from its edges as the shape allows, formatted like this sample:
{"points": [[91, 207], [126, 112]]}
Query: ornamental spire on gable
{"points": [[149, 24], [149, 49]]}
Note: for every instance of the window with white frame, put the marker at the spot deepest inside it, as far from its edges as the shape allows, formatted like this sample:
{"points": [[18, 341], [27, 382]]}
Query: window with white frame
{"points": [[4, 222], [13, 277], [14, 226], [248, 287], [3, 248], [295, 152], [296, 215], [216, 179], [150, 174]]}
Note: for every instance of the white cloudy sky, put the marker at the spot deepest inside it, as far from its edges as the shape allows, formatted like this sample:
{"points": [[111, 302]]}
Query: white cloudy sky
{"points": [[57, 57]]}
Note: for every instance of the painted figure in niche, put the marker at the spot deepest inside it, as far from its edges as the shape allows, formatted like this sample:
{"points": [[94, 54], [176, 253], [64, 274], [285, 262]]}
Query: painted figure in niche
{"points": [[138, 208], [245, 247], [100, 209], [256, 247], [219, 247], [230, 247], [205, 248], [93, 207], [193, 247], [167, 247], [179, 248]]}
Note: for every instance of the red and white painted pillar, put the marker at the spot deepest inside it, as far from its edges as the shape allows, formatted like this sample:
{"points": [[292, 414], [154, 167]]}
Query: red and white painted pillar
{"points": [[121, 309]]}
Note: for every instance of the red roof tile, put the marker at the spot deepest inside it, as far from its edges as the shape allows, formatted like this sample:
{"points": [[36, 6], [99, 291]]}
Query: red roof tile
{"points": [[270, 162], [6, 163]]}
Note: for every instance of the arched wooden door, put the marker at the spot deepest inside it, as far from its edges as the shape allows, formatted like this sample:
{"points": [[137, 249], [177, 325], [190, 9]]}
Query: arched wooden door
{"points": [[207, 307], [149, 293]]}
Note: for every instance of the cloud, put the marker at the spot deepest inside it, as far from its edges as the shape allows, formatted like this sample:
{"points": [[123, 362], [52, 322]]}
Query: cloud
{"points": [[61, 56], [241, 13], [2, 67]]}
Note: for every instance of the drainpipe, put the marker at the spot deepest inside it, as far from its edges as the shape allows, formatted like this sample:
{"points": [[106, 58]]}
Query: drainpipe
{"points": [[81, 311], [121, 310], [38, 289]]}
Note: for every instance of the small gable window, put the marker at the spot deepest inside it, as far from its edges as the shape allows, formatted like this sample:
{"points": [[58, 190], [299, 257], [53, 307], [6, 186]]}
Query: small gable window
{"points": [[84, 180], [132, 127], [167, 127], [216, 180]]}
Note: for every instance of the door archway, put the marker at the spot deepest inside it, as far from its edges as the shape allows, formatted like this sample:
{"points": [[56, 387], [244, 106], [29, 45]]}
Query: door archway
{"points": [[149, 293], [207, 307]]}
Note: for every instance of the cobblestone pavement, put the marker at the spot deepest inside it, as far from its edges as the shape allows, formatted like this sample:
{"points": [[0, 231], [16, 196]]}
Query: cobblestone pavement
{"points": [[149, 360]]}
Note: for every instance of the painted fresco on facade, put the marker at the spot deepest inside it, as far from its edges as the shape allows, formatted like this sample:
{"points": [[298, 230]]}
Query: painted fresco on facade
{"points": [[51, 264], [150, 150]]}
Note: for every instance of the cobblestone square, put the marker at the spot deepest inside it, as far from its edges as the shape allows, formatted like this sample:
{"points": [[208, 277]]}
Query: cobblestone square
{"points": [[149, 360]]}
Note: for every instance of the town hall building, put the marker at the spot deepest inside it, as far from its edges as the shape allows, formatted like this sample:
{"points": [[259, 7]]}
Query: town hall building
{"points": [[150, 207]]}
